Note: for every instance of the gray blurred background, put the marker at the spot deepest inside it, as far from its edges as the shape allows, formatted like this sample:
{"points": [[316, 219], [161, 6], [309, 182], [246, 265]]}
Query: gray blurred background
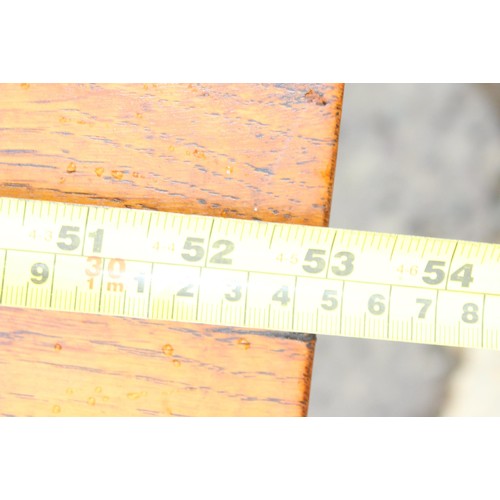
{"points": [[419, 159]]}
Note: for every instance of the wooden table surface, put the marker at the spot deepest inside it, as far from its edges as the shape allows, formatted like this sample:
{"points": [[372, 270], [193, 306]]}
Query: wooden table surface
{"points": [[248, 151]]}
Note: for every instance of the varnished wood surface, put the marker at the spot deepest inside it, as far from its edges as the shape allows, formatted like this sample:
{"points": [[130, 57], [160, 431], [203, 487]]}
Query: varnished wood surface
{"points": [[126, 367], [246, 151]]}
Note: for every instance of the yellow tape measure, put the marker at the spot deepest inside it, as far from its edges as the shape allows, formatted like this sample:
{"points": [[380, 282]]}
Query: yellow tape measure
{"points": [[165, 266]]}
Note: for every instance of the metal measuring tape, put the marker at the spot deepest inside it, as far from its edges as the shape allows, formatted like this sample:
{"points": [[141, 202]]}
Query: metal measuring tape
{"points": [[284, 277]]}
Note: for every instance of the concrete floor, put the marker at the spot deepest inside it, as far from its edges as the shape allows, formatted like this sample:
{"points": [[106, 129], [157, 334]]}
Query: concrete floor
{"points": [[425, 160]]}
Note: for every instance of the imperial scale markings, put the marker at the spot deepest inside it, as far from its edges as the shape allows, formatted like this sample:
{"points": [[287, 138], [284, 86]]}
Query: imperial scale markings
{"points": [[165, 266]]}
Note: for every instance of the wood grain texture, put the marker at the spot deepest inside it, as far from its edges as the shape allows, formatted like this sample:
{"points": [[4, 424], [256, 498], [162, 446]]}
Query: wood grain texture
{"points": [[263, 152]]}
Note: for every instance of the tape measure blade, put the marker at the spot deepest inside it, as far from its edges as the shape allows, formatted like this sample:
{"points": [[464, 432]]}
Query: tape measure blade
{"points": [[177, 267]]}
